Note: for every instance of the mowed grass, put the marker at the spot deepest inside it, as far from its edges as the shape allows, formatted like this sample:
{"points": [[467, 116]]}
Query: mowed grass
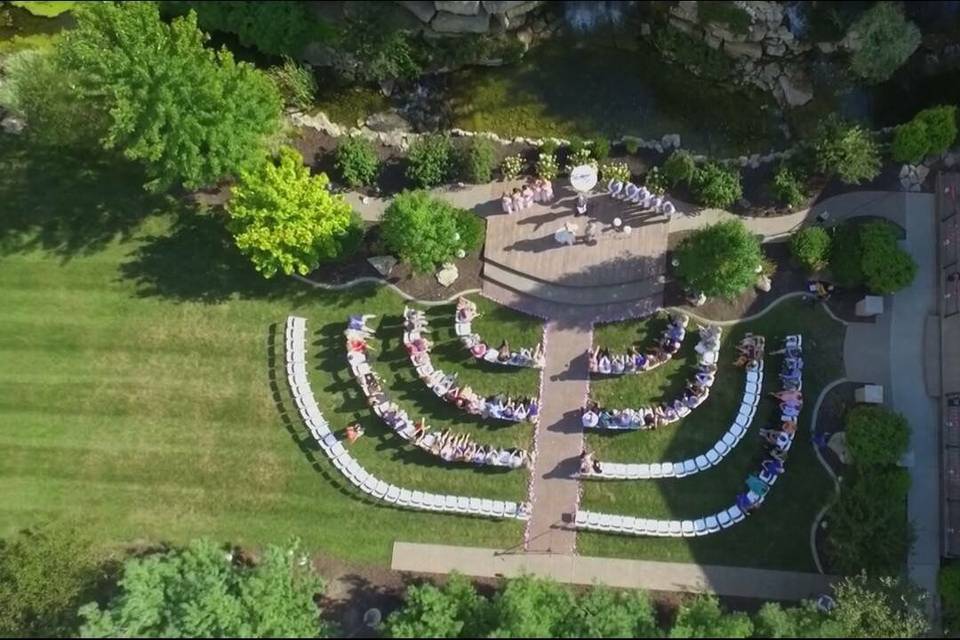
{"points": [[775, 536], [142, 392]]}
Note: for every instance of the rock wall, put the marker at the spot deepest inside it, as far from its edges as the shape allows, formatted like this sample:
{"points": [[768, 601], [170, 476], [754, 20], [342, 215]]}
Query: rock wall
{"points": [[470, 17], [765, 54]]}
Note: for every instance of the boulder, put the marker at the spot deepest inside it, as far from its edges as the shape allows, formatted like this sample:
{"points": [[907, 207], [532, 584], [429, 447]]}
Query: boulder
{"points": [[826, 47], [518, 8], [905, 182], [448, 274], [469, 8], [922, 173], [388, 121], [423, 10], [797, 88], [452, 23], [764, 283], [757, 33], [743, 49], [685, 10], [645, 29], [712, 41], [775, 50], [905, 171], [687, 27], [383, 264]]}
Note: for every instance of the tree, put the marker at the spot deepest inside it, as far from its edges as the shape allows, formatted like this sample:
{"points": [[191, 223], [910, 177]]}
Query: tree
{"points": [[430, 160], [427, 231], [930, 132], [804, 621], [191, 115], [454, 610], [876, 435], [846, 150], [529, 607], [719, 260], [879, 608], [605, 613], [810, 246], [286, 220], [45, 574], [886, 267], [788, 187], [910, 142], [477, 160], [886, 40], [200, 591], [702, 617], [716, 186]]}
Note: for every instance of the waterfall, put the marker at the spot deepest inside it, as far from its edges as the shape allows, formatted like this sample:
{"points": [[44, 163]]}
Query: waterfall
{"points": [[797, 21], [587, 16]]}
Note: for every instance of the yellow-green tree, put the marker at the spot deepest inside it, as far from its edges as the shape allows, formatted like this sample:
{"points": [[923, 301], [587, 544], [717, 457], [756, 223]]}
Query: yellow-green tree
{"points": [[287, 221]]}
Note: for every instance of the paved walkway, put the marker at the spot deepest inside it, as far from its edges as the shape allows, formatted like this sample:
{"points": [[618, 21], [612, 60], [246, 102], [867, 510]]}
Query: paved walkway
{"points": [[614, 572], [555, 489]]}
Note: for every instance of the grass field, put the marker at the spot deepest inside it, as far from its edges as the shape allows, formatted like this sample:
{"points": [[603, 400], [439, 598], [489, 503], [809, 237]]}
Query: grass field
{"points": [[140, 395], [776, 536]]}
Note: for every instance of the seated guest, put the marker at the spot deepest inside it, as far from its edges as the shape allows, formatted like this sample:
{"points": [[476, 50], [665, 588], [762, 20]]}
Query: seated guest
{"points": [[703, 379], [503, 353], [359, 323], [639, 360], [788, 396], [586, 462], [597, 468], [747, 502], [668, 208], [670, 347], [757, 486], [420, 359], [478, 350], [466, 310], [589, 419], [603, 363], [624, 418], [772, 467], [480, 455], [518, 457], [617, 365], [538, 190], [418, 345], [650, 420], [533, 411]]}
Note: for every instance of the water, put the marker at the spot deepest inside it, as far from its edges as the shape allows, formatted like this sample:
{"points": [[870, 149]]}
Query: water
{"points": [[797, 21], [587, 16]]}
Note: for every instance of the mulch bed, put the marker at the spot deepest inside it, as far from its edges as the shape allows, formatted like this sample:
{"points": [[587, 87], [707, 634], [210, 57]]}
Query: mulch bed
{"points": [[426, 287]]}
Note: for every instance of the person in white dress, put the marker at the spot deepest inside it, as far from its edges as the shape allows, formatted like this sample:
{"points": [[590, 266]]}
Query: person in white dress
{"points": [[506, 203], [547, 195], [538, 191], [527, 196]]}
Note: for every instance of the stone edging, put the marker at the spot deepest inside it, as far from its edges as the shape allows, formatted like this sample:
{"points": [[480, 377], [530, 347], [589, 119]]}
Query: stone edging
{"points": [[382, 281], [833, 476]]}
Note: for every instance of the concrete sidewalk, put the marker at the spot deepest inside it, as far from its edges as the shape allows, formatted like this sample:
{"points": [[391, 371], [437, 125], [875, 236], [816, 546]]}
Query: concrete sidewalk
{"points": [[615, 572]]}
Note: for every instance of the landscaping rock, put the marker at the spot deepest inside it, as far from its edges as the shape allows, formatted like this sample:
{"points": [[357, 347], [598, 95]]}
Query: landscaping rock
{"points": [[383, 264], [470, 8], [423, 10], [448, 274], [13, 125], [645, 29], [454, 23], [685, 10], [797, 88], [743, 49], [905, 183], [922, 173], [905, 171], [388, 121], [764, 283]]}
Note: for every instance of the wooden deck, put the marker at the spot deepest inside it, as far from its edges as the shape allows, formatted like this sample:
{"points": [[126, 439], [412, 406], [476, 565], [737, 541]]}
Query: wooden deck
{"points": [[523, 243]]}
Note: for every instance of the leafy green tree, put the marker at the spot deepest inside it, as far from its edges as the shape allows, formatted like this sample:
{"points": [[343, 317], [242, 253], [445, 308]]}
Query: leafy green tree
{"points": [[716, 186], [430, 160], [426, 231], [879, 608], [679, 168], [846, 150], [605, 613], [886, 267], [910, 142], [788, 187], [719, 260], [200, 592], [529, 607], [477, 160], [296, 84], [805, 621], [286, 220], [930, 132], [45, 575], [702, 617], [867, 528], [191, 115], [876, 435], [454, 610], [886, 38], [357, 161], [810, 246]]}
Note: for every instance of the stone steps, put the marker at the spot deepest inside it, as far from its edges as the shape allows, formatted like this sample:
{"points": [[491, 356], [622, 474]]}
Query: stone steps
{"points": [[610, 312]]}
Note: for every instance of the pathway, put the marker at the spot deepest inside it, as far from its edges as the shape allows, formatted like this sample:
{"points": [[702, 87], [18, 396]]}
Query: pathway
{"points": [[554, 488], [615, 572]]}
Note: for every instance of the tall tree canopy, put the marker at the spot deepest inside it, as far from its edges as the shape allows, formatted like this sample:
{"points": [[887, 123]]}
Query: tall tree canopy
{"points": [[719, 260], [192, 115], [201, 592], [286, 220]]}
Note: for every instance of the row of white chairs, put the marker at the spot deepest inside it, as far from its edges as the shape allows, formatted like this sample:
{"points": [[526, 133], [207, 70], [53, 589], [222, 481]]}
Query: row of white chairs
{"points": [[712, 457], [630, 525], [629, 192], [594, 366], [296, 358], [464, 331]]}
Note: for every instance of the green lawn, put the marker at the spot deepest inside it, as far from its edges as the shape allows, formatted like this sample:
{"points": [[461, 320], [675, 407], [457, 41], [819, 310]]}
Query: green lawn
{"points": [[142, 391], [776, 536]]}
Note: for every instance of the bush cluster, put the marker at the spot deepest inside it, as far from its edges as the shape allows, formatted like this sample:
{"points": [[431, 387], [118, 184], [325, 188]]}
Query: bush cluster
{"points": [[547, 167], [679, 168], [719, 260], [867, 254], [296, 84], [810, 247], [512, 167], [846, 150], [886, 38], [788, 187], [357, 162], [430, 161], [477, 160], [426, 232], [717, 186], [930, 132], [615, 171], [654, 182]]}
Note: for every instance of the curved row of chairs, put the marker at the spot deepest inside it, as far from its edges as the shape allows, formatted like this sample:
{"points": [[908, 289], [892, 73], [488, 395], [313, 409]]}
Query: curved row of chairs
{"points": [[481, 350], [711, 458], [296, 365], [452, 448], [723, 519], [697, 392], [445, 386], [602, 363], [629, 192]]}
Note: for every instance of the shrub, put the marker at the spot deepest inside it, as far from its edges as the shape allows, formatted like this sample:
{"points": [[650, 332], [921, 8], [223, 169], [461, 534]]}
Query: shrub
{"points": [[948, 584], [632, 145], [810, 246], [876, 435], [788, 187], [601, 149], [886, 267], [702, 617], [615, 171], [719, 260], [296, 84], [430, 160], [512, 167], [679, 168], [717, 186], [867, 528], [654, 182], [549, 146], [846, 256], [378, 49], [547, 167], [582, 156], [577, 144], [728, 13], [477, 160], [357, 161], [691, 52], [878, 608], [426, 231], [451, 611], [846, 150], [930, 132], [286, 220], [910, 142], [887, 39]]}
